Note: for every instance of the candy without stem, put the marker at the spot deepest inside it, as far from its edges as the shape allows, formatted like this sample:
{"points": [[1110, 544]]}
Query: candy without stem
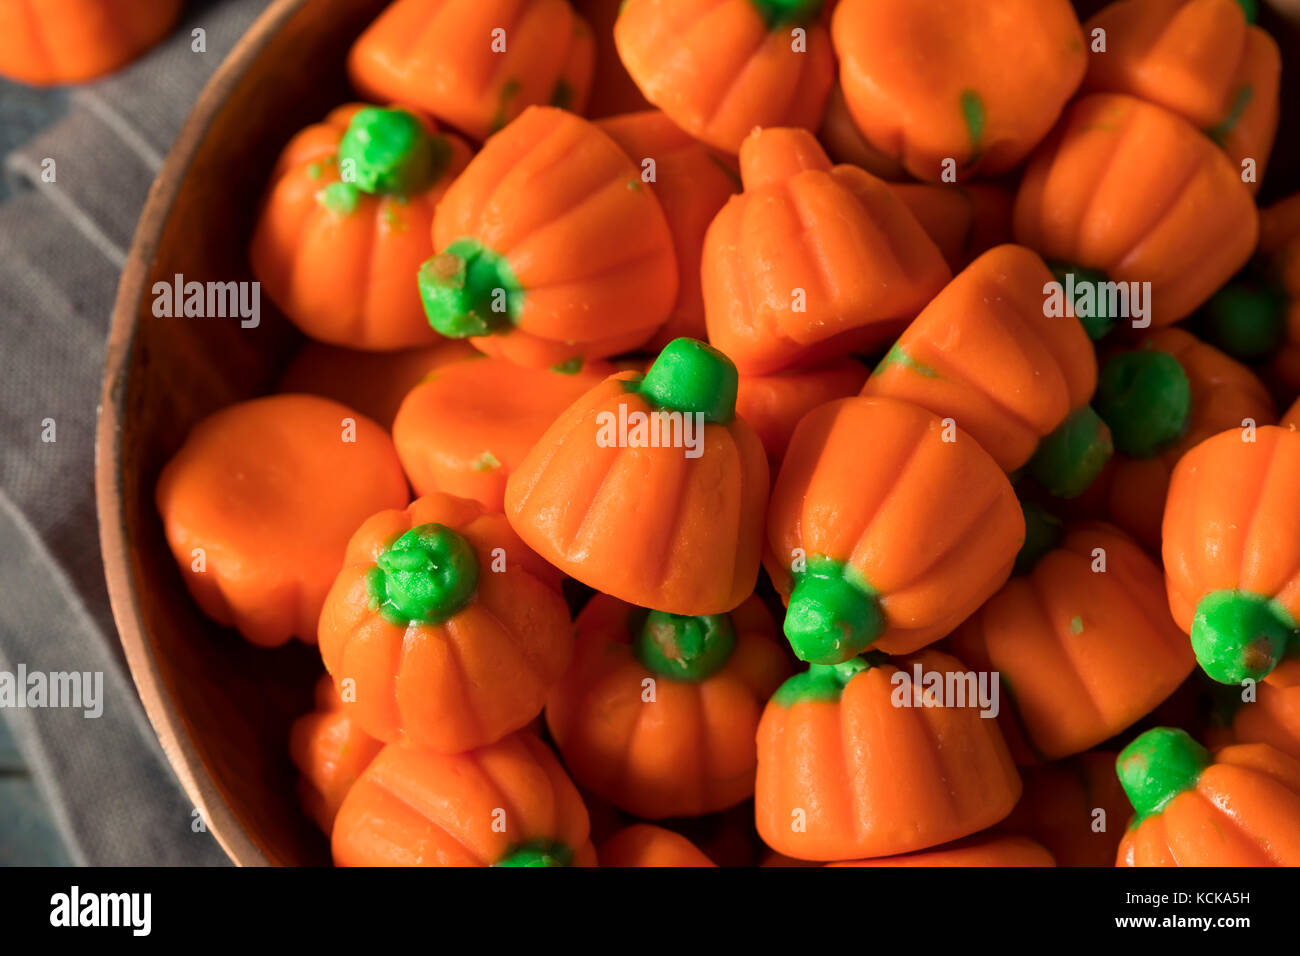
{"points": [[1146, 399]]}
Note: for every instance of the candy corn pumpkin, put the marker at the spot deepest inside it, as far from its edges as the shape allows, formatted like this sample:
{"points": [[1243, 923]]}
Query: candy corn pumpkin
{"points": [[812, 261], [985, 353], [475, 64], [1203, 59], [853, 763], [1127, 192], [612, 90], [649, 488], [507, 804], [1271, 716], [960, 88], [345, 224], [1256, 316], [657, 713], [773, 404], [374, 383], [890, 547], [1082, 641], [1237, 807], [691, 184], [1232, 548], [989, 850], [843, 142], [51, 42], [964, 221], [645, 845], [721, 68], [442, 627], [549, 247], [1076, 808], [259, 502], [1160, 399], [469, 425], [330, 752]]}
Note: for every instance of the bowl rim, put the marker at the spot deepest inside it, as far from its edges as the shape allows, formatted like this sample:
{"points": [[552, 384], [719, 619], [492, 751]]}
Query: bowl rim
{"points": [[141, 654]]}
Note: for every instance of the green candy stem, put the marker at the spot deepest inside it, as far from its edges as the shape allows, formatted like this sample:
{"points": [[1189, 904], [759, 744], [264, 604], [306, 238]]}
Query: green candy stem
{"points": [[691, 376], [685, 648], [1068, 459], [391, 153], [779, 13], [1100, 323], [831, 616], [1237, 635], [1043, 532], [1251, 9], [1158, 766], [824, 682], [424, 577], [538, 853], [1246, 319], [469, 290], [1146, 399]]}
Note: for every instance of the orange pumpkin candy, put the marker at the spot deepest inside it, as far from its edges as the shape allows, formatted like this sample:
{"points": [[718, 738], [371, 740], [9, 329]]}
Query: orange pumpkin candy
{"points": [[1272, 718], [657, 712], [1203, 59], [975, 83], [1232, 551], [330, 752], [719, 68], [890, 547], [337, 257], [1237, 807], [853, 763], [1256, 317], [963, 221], [812, 261], [505, 804], [468, 426], [49, 42], [476, 64], [374, 383], [984, 850], [692, 184], [1082, 640], [1060, 804], [643, 844], [612, 90], [449, 632], [649, 488], [773, 404], [1135, 193], [843, 142], [985, 354], [259, 502], [550, 247], [1164, 397]]}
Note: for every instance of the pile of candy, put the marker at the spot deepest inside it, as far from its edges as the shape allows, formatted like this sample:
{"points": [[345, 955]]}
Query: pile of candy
{"points": [[600, 288]]}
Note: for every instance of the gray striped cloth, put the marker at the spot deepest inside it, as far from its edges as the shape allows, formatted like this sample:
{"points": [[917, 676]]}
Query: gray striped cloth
{"points": [[104, 781]]}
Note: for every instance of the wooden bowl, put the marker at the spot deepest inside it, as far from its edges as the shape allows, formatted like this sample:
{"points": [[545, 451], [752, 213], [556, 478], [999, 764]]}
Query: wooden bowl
{"points": [[221, 707]]}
